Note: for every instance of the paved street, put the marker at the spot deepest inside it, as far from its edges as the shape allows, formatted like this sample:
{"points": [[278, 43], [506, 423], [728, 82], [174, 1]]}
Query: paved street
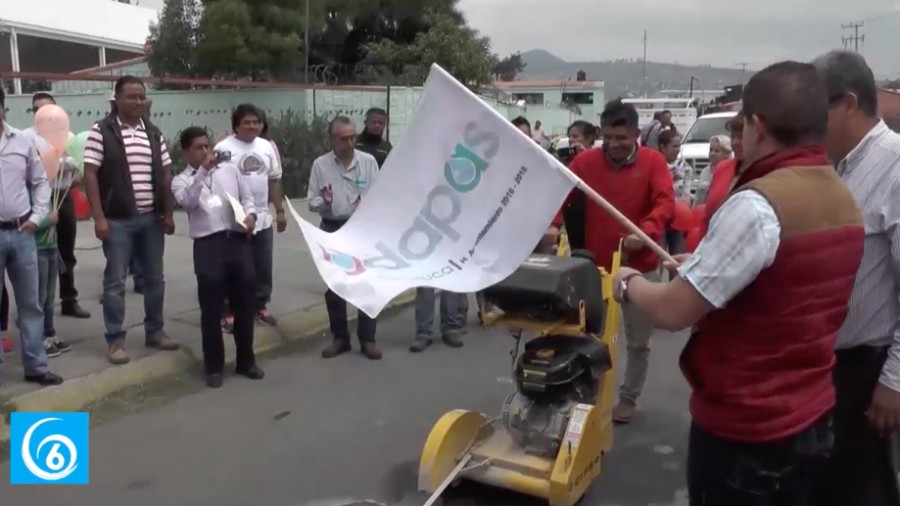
{"points": [[297, 286], [328, 432]]}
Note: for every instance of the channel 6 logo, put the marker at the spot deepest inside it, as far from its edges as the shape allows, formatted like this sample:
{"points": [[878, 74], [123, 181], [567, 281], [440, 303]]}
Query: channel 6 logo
{"points": [[49, 448]]}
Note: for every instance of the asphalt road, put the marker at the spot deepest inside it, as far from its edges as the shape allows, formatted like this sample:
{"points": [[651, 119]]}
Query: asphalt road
{"points": [[318, 432]]}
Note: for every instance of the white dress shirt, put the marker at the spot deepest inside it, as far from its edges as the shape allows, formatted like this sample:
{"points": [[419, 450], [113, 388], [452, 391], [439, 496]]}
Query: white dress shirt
{"points": [[204, 195]]}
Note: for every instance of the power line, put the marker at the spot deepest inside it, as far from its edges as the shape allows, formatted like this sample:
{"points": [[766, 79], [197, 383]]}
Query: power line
{"points": [[852, 41]]}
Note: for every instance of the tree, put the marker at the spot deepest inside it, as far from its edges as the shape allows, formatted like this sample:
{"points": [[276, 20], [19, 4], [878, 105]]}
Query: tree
{"points": [[346, 27], [508, 68], [173, 40], [460, 50], [258, 40]]}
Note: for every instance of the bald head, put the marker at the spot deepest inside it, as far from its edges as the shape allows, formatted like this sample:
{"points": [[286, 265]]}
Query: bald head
{"points": [[788, 99], [845, 73]]}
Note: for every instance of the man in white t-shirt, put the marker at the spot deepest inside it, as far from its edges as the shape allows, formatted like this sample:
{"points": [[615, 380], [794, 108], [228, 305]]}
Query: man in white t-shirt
{"points": [[258, 162]]}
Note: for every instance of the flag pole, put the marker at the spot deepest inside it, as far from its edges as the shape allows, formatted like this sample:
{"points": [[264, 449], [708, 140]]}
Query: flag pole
{"points": [[621, 218]]}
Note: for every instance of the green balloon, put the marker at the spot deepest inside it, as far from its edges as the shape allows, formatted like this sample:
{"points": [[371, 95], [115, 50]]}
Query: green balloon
{"points": [[75, 149]]}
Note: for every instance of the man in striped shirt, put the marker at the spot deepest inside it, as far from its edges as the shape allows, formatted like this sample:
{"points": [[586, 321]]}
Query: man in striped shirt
{"points": [[127, 177], [867, 374]]}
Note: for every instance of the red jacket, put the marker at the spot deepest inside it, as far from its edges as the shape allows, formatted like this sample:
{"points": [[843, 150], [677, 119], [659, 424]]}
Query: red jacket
{"points": [[760, 368], [642, 190]]}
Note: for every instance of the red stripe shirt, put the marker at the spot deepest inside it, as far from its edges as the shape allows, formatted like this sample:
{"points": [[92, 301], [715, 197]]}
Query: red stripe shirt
{"points": [[137, 155]]}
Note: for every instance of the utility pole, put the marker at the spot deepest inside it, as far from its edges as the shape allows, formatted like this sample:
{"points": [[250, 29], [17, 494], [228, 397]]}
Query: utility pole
{"points": [[742, 65], [852, 41], [691, 95], [644, 79], [306, 45]]}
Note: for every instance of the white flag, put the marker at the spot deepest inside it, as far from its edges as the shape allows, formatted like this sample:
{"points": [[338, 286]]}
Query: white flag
{"points": [[460, 203]]}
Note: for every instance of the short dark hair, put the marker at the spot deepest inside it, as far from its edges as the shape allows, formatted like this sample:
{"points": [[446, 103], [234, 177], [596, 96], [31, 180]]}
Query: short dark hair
{"points": [[657, 115], [242, 111], [42, 95], [126, 80], [790, 99], [845, 72], [619, 114], [190, 134], [585, 128], [376, 111], [666, 137], [665, 112], [520, 121]]}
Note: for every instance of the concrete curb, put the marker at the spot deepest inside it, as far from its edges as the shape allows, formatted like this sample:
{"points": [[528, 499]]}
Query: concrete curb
{"points": [[78, 393]]}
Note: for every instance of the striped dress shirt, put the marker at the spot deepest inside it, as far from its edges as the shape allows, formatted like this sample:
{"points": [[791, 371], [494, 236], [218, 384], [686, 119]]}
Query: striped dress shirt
{"points": [[872, 173]]}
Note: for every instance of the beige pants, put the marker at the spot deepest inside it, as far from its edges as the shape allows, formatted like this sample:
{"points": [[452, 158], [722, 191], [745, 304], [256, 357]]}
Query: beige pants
{"points": [[638, 331]]}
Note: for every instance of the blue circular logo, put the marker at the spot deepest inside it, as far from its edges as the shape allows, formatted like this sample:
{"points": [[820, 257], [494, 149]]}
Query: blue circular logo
{"points": [[463, 171], [343, 261]]}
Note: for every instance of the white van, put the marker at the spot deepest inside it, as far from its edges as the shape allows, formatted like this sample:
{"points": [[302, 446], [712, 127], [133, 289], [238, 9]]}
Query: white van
{"points": [[684, 110], [695, 144]]}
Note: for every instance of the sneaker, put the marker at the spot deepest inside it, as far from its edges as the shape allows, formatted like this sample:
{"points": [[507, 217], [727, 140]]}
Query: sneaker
{"points": [[61, 345], [7, 344], [228, 324], [51, 349], [265, 317]]}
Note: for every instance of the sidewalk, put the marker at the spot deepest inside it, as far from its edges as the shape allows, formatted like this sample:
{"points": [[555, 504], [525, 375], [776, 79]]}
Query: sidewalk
{"points": [[297, 303]]}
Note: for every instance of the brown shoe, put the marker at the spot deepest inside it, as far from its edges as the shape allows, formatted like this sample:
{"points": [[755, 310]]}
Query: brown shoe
{"points": [[116, 354], [453, 340], [623, 412], [161, 341], [336, 348], [371, 351]]}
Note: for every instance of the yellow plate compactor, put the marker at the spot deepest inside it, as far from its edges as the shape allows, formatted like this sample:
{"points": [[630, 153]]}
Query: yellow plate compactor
{"points": [[555, 428]]}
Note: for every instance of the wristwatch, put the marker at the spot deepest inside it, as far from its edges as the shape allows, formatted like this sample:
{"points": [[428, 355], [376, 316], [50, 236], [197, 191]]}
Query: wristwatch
{"points": [[623, 285]]}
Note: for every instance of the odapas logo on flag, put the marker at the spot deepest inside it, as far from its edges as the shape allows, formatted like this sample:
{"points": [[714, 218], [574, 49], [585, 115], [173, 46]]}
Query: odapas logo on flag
{"points": [[437, 217], [459, 204]]}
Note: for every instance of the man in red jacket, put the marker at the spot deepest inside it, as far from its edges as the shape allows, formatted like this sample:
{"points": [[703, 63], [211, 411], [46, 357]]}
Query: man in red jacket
{"points": [[766, 291], [637, 181]]}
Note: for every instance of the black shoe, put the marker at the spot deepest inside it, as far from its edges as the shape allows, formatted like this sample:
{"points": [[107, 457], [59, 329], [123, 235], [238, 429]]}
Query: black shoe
{"points": [[61, 345], [253, 372], [214, 380], [50, 349], [420, 344], [337, 347], [45, 380], [228, 325], [73, 310], [453, 340], [266, 318]]}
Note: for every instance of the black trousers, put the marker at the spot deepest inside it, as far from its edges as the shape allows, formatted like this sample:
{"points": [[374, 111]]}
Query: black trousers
{"points": [[860, 472], [337, 307], [223, 264], [780, 473], [66, 230]]}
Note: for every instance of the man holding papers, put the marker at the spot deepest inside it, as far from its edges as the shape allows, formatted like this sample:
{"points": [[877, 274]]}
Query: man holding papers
{"points": [[223, 261]]}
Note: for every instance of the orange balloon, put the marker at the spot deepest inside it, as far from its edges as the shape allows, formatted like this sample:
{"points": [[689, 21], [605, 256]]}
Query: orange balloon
{"points": [[52, 123], [50, 158]]}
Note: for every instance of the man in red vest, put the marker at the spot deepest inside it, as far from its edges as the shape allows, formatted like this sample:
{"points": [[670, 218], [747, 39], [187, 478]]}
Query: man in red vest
{"points": [[766, 292]]}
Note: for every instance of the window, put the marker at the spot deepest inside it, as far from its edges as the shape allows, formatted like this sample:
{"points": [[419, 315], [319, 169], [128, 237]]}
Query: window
{"points": [[578, 98]]}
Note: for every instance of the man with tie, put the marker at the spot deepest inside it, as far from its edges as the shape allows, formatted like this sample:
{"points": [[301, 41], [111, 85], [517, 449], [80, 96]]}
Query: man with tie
{"points": [[221, 213]]}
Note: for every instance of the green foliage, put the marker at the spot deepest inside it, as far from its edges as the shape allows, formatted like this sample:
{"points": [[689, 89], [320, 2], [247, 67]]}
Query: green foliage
{"points": [[259, 40], [508, 68], [300, 141], [173, 41], [460, 50]]}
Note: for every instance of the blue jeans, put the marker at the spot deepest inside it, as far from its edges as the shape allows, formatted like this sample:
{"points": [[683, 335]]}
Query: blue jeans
{"points": [[48, 273], [143, 236], [452, 322], [19, 259]]}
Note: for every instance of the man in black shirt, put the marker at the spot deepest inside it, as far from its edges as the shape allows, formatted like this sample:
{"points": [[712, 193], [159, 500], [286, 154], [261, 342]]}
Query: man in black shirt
{"points": [[371, 140]]}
